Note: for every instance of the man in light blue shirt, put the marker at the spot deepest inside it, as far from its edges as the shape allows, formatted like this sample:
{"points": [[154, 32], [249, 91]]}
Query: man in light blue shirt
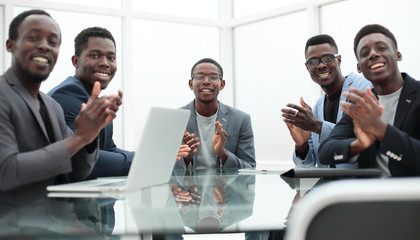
{"points": [[308, 127]]}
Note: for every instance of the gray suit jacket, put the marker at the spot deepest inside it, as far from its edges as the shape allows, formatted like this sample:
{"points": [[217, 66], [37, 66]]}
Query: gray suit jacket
{"points": [[27, 157], [240, 142]]}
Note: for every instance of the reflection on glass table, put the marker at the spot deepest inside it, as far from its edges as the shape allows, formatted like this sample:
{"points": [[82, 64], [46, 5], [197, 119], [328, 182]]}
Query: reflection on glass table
{"points": [[33, 214], [200, 201], [212, 200]]}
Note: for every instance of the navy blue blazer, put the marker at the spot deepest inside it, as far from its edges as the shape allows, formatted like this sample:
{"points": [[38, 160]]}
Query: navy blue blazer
{"points": [[112, 161], [401, 142]]}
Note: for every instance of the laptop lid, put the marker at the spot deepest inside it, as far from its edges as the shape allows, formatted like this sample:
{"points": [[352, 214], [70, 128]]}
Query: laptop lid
{"points": [[154, 159]]}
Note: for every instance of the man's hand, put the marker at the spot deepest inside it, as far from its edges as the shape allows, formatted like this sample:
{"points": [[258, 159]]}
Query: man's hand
{"points": [[300, 136], [301, 117], [193, 143], [93, 116], [186, 198], [301, 121], [117, 100], [365, 112], [219, 141], [96, 113], [365, 139], [220, 196], [183, 151]]}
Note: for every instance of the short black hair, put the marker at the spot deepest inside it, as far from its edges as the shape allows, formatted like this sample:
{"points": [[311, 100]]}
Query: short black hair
{"points": [[14, 25], [320, 39], [80, 42], [373, 28], [208, 60]]}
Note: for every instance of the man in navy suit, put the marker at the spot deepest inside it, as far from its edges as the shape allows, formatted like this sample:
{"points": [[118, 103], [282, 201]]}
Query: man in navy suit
{"points": [[94, 60], [218, 135], [381, 130]]}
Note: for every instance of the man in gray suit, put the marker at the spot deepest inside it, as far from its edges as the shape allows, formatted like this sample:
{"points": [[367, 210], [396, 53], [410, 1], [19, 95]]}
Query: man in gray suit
{"points": [[218, 135], [37, 148]]}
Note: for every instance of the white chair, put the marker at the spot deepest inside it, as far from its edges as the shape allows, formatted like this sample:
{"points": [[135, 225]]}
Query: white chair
{"points": [[358, 209]]}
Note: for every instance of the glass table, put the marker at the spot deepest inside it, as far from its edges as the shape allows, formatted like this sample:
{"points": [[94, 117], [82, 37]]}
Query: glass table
{"points": [[200, 201]]}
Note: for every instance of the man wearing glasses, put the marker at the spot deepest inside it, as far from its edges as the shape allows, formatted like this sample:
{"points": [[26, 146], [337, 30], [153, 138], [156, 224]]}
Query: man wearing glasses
{"points": [[308, 127], [218, 135]]}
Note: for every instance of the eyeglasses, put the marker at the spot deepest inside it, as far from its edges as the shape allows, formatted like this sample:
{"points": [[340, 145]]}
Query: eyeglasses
{"points": [[211, 76], [326, 59]]}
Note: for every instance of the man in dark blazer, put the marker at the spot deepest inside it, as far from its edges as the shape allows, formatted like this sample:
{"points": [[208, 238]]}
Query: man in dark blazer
{"points": [[94, 60], [381, 130], [37, 149], [218, 135]]}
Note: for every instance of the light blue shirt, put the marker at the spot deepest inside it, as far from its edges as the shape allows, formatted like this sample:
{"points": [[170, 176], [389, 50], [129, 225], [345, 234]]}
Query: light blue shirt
{"points": [[311, 159]]}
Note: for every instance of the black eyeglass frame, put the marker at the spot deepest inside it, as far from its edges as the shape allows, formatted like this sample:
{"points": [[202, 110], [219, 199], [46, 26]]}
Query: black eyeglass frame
{"points": [[319, 60], [219, 77]]}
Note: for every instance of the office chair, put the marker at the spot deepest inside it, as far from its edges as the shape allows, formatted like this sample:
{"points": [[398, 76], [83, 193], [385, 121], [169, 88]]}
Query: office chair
{"points": [[358, 209]]}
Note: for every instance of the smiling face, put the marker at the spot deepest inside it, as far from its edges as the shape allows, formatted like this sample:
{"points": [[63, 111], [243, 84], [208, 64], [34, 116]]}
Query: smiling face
{"points": [[35, 51], [97, 62], [377, 58], [325, 75], [206, 91]]}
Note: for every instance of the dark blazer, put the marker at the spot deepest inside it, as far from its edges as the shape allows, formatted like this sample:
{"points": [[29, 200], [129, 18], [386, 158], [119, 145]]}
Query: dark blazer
{"points": [[28, 159], [240, 142], [112, 161], [401, 142]]}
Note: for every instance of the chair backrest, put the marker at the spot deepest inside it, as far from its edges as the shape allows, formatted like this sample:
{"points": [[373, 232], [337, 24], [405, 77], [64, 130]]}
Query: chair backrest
{"points": [[358, 209]]}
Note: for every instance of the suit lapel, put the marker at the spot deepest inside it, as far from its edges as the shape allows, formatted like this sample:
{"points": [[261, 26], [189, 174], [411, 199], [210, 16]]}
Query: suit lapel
{"points": [[223, 115], [348, 82], [193, 128], [52, 117], [406, 99], [21, 90]]}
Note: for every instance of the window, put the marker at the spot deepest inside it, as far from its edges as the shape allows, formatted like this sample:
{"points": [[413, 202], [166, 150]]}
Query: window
{"points": [[205, 9], [403, 14], [96, 3], [161, 58], [269, 73], [243, 8]]}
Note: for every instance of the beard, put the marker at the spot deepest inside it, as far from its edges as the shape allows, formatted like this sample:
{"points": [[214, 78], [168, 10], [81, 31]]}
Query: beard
{"points": [[35, 77], [206, 101], [31, 76]]}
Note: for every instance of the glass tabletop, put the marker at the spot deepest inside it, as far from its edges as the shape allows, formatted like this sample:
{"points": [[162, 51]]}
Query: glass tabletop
{"points": [[199, 201]]}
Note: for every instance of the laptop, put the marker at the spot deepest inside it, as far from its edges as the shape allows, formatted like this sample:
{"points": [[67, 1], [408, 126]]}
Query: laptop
{"points": [[153, 161]]}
